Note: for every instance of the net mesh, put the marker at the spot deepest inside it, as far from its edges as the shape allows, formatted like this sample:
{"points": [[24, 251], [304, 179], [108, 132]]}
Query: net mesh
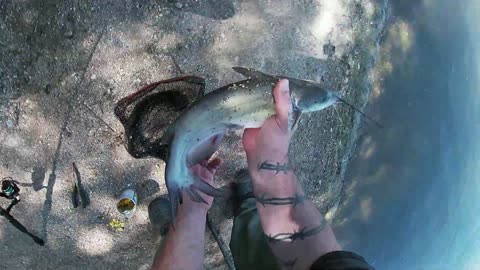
{"points": [[146, 114]]}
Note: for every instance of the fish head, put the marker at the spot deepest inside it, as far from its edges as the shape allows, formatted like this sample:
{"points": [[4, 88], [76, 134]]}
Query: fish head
{"points": [[311, 96]]}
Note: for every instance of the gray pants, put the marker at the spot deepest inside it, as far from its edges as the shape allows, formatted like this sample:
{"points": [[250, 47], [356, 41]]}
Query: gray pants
{"points": [[248, 244]]}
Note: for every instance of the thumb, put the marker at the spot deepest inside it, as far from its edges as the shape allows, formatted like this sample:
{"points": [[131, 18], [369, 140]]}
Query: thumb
{"points": [[283, 103]]}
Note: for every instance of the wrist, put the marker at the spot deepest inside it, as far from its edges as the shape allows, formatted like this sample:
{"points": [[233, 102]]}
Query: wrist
{"points": [[268, 167], [275, 183], [192, 210], [273, 155]]}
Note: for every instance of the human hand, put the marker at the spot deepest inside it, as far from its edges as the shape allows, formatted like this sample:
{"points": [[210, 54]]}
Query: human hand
{"points": [[205, 170], [267, 147]]}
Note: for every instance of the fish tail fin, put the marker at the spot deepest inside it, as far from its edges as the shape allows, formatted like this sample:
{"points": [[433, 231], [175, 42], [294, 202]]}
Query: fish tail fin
{"points": [[173, 188], [174, 196], [178, 177], [252, 73]]}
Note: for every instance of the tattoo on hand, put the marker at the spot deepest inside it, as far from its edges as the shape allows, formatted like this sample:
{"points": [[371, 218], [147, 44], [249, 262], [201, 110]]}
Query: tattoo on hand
{"points": [[301, 235], [298, 199], [274, 167]]}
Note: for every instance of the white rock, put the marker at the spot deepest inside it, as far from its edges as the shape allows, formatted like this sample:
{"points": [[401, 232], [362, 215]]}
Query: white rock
{"points": [[9, 123]]}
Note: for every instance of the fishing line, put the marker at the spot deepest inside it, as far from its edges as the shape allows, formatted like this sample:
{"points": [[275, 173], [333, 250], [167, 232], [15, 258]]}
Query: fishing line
{"points": [[362, 113]]}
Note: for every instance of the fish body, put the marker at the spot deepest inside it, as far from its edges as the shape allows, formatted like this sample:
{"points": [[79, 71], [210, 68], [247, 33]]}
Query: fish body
{"points": [[199, 130]]}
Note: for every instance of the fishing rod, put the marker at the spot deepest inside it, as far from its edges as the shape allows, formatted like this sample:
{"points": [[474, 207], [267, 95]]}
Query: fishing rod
{"points": [[10, 190]]}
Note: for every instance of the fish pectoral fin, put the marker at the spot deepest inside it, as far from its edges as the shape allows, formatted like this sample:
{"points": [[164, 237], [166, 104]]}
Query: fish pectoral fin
{"points": [[168, 135], [194, 196], [205, 148], [294, 120], [206, 188], [191, 195], [251, 73]]}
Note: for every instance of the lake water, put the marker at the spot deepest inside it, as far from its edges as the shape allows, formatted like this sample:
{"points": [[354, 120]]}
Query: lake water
{"points": [[413, 189]]}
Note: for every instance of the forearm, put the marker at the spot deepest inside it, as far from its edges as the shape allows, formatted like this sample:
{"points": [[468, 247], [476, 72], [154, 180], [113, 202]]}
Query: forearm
{"points": [[183, 247], [297, 232]]}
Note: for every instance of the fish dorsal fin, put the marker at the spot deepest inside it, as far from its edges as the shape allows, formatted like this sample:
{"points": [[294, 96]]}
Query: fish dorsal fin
{"points": [[251, 73]]}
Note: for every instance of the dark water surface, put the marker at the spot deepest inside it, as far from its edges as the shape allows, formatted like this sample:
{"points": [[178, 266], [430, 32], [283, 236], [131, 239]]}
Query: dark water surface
{"points": [[413, 190]]}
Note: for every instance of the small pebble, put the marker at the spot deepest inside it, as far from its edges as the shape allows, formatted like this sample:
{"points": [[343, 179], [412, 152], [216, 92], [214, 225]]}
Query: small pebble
{"points": [[93, 77], [9, 123], [329, 49], [178, 5]]}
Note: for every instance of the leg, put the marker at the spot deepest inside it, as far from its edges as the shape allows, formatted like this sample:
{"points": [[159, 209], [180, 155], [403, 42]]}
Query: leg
{"points": [[248, 244], [159, 214]]}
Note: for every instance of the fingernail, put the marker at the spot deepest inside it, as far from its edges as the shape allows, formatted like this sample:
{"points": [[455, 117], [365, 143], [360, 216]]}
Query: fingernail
{"points": [[286, 85]]}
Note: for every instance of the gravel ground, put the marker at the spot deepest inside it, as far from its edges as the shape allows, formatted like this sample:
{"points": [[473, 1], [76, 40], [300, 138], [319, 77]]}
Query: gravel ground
{"points": [[64, 65]]}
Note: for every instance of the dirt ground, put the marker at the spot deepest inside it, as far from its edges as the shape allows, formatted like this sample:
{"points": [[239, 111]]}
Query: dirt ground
{"points": [[64, 65]]}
